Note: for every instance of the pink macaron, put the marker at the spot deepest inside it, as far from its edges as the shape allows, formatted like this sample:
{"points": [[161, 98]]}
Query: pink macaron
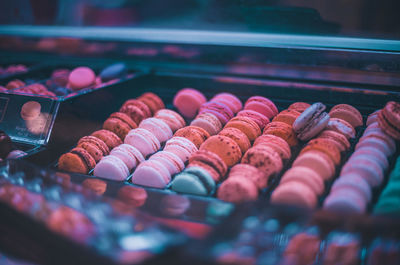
{"points": [[365, 167], [188, 102], [158, 127], [259, 118], [128, 154], [375, 153], [345, 202], [151, 173], [317, 161], [208, 122], [230, 100], [380, 134], [377, 143], [306, 176], [220, 110], [81, 77], [171, 161], [373, 117], [181, 147], [294, 193], [354, 183], [111, 167], [143, 140], [262, 105]]}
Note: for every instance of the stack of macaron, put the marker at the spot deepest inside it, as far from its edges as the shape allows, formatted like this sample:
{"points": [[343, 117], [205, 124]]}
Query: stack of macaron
{"points": [[221, 150], [92, 149], [187, 140], [317, 162], [366, 167]]}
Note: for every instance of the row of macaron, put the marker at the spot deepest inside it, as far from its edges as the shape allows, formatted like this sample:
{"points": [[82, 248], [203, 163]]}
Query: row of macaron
{"points": [[65, 81], [13, 69], [93, 149], [208, 166], [365, 169]]}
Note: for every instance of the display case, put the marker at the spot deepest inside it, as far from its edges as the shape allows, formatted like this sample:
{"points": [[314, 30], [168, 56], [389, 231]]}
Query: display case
{"points": [[285, 51]]}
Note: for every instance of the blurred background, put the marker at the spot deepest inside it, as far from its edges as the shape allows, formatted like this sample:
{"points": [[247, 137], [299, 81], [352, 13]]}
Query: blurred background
{"points": [[351, 18]]}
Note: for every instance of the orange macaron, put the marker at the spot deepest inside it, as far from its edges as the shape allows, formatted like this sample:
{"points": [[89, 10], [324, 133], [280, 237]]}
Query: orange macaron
{"points": [[287, 116], [283, 130], [246, 125], [238, 136], [226, 148], [195, 134], [326, 146]]}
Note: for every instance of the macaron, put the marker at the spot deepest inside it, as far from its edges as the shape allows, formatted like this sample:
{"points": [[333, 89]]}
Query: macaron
{"points": [[299, 106], [78, 160], [277, 143], [341, 126], [282, 130], [13, 84], [230, 100], [113, 71], [94, 146], [366, 167], [81, 77], [389, 119], [210, 162], [317, 161], [238, 136], [379, 156], [171, 161], [377, 143], [120, 124], [30, 110], [151, 173], [226, 148], [373, 117], [264, 158], [129, 155], [306, 176], [246, 125], [259, 118], [311, 122], [139, 104], [194, 180], [238, 190], [134, 112], [196, 135], [152, 101], [353, 183], [339, 139], [208, 122], [287, 116], [109, 138], [262, 105], [111, 167], [133, 196], [218, 109], [345, 202], [158, 128], [172, 118], [325, 145], [188, 102], [294, 193], [348, 113], [143, 140], [380, 134], [97, 186], [250, 172], [181, 147]]}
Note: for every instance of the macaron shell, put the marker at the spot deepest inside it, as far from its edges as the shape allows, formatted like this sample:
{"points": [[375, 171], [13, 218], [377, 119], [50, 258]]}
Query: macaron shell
{"points": [[375, 153], [282, 130], [117, 126], [277, 143], [170, 117], [317, 161], [188, 102], [158, 128], [220, 110], [379, 133], [186, 183], [325, 145], [246, 125], [168, 164], [250, 172], [353, 182], [92, 149], [287, 116], [142, 106], [237, 189], [373, 117], [294, 193], [387, 127], [109, 138], [339, 139], [128, 159], [306, 176], [377, 143], [260, 108], [81, 77], [345, 202], [143, 140], [134, 112], [195, 134], [264, 101], [111, 167], [181, 147], [341, 126], [391, 112], [226, 148], [178, 164], [299, 106], [72, 163], [234, 102], [257, 117], [216, 176], [212, 160], [208, 122], [264, 158], [238, 136], [96, 141], [366, 167], [347, 113], [151, 173], [153, 101]]}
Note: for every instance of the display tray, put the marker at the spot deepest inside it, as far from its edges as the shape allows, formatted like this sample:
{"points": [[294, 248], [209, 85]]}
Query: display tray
{"points": [[281, 92], [49, 220]]}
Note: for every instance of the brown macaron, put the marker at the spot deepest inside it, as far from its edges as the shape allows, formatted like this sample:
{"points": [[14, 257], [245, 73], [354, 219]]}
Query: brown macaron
{"points": [[143, 107], [211, 159], [134, 112], [153, 101], [226, 148], [238, 136], [95, 147], [111, 139], [265, 158], [120, 124], [78, 160], [195, 134]]}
